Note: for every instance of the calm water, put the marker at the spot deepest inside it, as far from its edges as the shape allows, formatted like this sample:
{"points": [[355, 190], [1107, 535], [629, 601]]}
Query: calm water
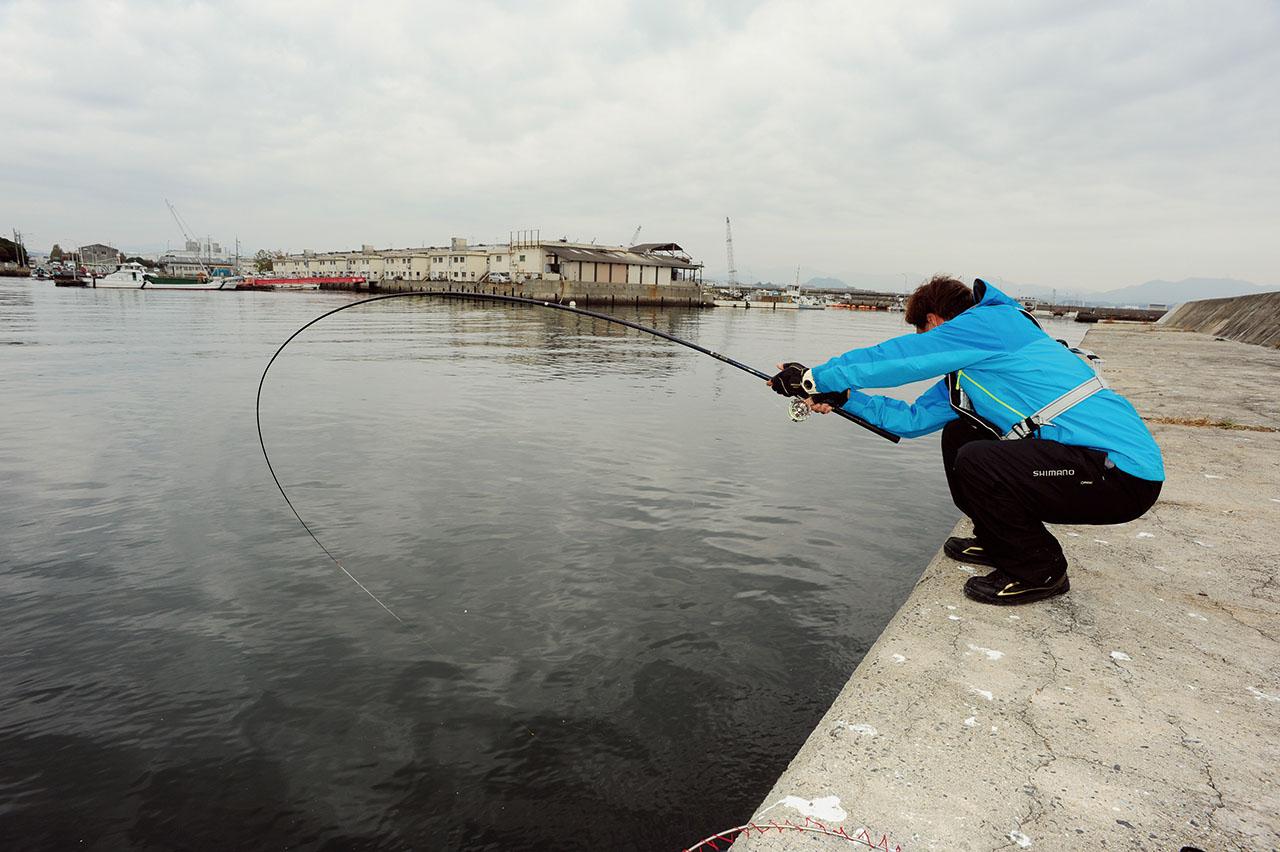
{"points": [[630, 585]]}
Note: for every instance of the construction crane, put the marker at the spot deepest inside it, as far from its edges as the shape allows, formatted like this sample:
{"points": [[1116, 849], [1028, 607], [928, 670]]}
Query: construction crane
{"points": [[186, 233], [728, 247], [635, 236], [182, 226]]}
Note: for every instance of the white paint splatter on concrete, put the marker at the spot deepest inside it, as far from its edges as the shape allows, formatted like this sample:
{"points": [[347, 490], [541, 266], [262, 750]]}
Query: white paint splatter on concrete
{"points": [[898, 658], [1015, 618], [856, 727], [991, 654], [1197, 616], [1162, 568], [824, 808], [1275, 499], [971, 721], [1100, 541], [1074, 535], [1021, 839], [949, 606], [1262, 696], [1212, 476], [953, 618], [1120, 655], [1202, 543], [1146, 535], [985, 693], [966, 569]]}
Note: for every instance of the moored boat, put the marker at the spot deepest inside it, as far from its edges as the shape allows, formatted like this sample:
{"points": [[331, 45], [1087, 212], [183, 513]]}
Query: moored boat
{"points": [[202, 282], [127, 276]]}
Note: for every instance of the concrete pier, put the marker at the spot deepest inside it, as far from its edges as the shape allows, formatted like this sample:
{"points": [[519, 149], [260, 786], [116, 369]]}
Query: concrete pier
{"points": [[597, 296], [1139, 711]]}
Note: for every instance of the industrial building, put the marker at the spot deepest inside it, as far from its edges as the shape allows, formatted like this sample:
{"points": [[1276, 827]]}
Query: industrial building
{"points": [[526, 257], [99, 256]]}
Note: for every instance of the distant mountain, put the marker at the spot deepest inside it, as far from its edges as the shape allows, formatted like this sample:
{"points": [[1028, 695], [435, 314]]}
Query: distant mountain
{"points": [[1171, 292], [826, 284], [1159, 292]]}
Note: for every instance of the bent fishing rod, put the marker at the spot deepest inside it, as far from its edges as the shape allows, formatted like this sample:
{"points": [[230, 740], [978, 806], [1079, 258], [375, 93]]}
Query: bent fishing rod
{"points": [[798, 411]]}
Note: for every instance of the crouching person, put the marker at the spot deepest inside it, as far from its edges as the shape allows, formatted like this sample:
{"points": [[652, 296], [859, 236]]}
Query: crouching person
{"points": [[1031, 434]]}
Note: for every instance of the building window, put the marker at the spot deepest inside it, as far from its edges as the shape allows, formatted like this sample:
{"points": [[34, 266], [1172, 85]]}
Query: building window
{"points": [[522, 258]]}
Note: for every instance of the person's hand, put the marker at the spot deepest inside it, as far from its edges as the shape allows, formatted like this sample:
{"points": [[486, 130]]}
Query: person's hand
{"points": [[825, 403], [788, 381]]}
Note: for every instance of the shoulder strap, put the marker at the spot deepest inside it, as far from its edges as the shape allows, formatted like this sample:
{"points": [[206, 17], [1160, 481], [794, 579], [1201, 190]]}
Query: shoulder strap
{"points": [[1045, 416]]}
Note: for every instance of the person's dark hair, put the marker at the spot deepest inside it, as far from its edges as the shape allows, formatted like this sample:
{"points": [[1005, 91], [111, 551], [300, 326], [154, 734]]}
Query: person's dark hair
{"points": [[941, 295]]}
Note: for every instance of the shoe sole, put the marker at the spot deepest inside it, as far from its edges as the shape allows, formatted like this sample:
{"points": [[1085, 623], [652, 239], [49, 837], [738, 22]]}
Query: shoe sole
{"points": [[1029, 596]]}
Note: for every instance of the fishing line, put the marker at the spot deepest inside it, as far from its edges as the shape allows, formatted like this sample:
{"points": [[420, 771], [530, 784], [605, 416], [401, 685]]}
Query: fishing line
{"points": [[797, 411]]}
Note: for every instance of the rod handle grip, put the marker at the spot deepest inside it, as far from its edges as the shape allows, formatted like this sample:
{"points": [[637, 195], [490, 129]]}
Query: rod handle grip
{"points": [[868, 425]]}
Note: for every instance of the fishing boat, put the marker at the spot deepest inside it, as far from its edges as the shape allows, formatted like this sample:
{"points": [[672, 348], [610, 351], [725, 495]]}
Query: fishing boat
{"points": [[793, 298], [127, 276], [807, 303], [731, 297], [200, 282]]}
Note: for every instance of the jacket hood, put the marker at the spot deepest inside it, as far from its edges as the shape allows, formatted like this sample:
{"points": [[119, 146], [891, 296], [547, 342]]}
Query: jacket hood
{"points": [[986, 294]]}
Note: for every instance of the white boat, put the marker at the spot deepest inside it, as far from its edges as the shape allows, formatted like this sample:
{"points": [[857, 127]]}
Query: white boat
{"points": [[203, 282], [807, 303], [128, 276], [795, 299]]}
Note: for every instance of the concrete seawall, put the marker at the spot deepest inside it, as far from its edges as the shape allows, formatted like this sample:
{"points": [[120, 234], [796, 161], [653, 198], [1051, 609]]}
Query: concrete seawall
{"points": [[1140, 711], [1248, 319], [597, 296]]}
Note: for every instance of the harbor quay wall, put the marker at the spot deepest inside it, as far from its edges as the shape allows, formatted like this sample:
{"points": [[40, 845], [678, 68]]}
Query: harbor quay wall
{"points": [[1140, 711], [1249, 319], [586, 294]]}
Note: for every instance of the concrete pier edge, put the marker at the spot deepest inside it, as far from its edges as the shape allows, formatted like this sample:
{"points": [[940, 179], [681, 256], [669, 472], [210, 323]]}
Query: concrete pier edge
{"points": [[1140, 711]]}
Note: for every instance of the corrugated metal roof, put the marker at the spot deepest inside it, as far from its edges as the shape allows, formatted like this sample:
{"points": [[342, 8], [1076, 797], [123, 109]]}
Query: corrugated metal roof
{"points": [[617, 256], [648, 247]]}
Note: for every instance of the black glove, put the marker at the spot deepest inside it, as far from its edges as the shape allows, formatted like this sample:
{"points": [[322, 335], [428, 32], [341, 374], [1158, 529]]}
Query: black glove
{"points": [[835, 399], [788, 381]]}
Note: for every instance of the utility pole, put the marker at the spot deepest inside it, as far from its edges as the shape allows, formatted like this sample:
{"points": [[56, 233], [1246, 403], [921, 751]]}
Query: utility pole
{"points": [[20, 251]]}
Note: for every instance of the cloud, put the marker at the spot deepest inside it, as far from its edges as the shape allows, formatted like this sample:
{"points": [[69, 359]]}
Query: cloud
{"points": [[1089, 145]]}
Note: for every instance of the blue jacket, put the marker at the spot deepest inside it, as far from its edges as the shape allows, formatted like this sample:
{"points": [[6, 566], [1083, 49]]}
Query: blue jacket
{"points": [[1009, 368]]}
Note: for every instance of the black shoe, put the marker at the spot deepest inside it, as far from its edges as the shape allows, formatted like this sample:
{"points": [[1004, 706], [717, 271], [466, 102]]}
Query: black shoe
{"points": [[1003, 590], [967, 550]]}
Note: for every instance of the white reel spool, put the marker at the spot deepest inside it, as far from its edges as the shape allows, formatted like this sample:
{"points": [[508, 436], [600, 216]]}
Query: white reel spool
{"points": [[798, 411]]}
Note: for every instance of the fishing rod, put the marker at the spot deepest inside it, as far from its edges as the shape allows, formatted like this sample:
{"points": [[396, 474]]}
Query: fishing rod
{"points": [[798, 411]]}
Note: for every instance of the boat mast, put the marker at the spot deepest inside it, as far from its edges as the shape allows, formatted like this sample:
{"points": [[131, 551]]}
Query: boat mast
{"points": [[728, 246]]}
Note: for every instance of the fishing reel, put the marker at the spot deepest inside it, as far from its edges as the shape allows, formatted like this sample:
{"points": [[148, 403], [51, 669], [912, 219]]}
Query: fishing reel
{"points": [[797, 410]]}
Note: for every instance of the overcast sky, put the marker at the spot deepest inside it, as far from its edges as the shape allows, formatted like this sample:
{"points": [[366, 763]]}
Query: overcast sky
{"points": [[1083, 145]]}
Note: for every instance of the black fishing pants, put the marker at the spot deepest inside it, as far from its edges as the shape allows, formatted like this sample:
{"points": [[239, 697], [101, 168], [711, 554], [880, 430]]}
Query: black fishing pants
{"points": [[1011, 489]]}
